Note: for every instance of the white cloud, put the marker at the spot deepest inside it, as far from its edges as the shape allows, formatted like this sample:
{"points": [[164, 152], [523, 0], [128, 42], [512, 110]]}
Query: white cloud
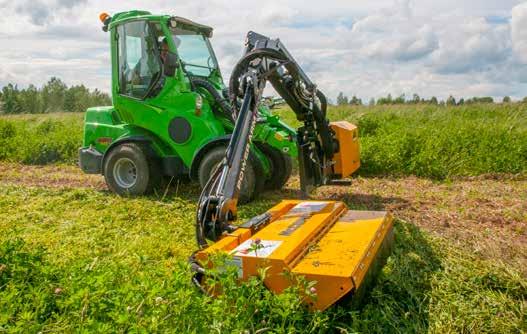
{"points": [[472, 44], [519, 32], [363, 48]]}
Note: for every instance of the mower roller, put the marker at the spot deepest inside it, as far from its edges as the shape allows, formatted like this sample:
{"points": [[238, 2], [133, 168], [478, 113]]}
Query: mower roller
{"points": [[322, 241]]}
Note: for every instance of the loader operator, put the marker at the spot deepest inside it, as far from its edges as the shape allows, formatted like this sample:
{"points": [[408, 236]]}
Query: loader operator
{"points": [[145, 63], [163, 50], [163, 47]]}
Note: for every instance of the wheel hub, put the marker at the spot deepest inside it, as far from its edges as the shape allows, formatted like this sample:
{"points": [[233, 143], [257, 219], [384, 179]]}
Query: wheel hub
{"points": [[125, 173]]}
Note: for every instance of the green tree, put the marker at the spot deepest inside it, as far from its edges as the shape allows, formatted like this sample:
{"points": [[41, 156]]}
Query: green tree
{"points": [[355, 101], [506, 99], [77, 99], [10, 99], [401, 99], [53, 94], [342, 99], [485, 99], [451, 101], [99, 98], [30, 100], [372, 102], [434, 101], [385, 100]]}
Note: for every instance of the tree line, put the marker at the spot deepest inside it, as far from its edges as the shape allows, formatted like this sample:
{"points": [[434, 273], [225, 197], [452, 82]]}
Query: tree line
{"points": [[415, 99], [54, 96]]}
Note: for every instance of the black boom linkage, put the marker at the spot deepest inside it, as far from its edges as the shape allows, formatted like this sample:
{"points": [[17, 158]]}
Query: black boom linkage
{"points": [[265, 60]]}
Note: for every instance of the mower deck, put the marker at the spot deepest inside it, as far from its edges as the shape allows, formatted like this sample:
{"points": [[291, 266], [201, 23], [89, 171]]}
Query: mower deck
{"points": [[322, 241]]}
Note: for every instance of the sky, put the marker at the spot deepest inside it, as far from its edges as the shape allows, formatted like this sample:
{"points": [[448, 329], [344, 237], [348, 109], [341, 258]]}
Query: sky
{"points": [[436, 48]]}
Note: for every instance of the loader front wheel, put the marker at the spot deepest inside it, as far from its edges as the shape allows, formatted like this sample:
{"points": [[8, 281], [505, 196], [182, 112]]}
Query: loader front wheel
{"points": [[129, 170], [281, 167], [213, 158]]}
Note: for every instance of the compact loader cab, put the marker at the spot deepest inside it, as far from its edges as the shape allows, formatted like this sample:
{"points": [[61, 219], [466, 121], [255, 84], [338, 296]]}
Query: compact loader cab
{"points": [[170, 115]]}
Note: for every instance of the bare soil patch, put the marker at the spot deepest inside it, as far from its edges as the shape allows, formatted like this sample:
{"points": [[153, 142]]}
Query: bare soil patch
{"points": [[486, 215], [51, 176]]}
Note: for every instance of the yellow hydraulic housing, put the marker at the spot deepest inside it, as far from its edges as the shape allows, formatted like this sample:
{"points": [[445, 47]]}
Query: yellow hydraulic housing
{"points": [[323, 241], [347, 159]]}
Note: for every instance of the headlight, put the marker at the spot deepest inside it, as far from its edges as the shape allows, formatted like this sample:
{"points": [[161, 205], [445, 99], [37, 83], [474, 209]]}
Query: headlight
{"points": [[199, 105]]}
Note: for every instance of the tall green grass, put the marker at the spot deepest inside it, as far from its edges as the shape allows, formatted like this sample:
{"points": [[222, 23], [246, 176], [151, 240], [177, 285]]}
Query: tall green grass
{"points": [[422, 140], [438, 141], [40, 139]]}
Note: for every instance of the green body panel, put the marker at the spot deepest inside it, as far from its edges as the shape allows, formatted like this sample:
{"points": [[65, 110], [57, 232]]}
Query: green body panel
{"points": [[132, 118]]}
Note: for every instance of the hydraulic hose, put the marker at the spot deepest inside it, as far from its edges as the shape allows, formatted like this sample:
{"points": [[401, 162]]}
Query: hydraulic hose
{"points": [[220, 101], [198, 272], [288, 88]]}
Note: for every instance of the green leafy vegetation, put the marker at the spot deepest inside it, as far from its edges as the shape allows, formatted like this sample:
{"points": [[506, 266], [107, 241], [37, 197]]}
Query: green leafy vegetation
{"points": [[86, 260], [422, 140], [438, 142], [33, 139]]}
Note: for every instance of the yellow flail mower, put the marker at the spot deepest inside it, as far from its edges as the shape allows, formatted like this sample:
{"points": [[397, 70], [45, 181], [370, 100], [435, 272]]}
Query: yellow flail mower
{"points": [[338, 249]]}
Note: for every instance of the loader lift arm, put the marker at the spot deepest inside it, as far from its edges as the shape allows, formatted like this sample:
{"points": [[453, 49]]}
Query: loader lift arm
{"points": [[265, 60]]}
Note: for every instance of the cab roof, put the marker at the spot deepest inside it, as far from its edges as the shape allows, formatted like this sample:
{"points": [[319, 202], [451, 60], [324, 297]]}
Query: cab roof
{"points": [[123, 17]]}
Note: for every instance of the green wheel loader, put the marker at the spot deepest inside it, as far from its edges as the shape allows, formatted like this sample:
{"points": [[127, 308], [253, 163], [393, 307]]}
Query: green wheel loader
{"points": [[171, 115]]}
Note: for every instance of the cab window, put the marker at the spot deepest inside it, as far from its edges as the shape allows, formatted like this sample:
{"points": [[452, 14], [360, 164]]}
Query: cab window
{"points": [[139, 63]]}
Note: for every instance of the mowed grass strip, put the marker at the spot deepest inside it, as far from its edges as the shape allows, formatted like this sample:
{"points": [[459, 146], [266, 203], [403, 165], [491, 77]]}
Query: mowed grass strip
{"points": [[84, 259]]}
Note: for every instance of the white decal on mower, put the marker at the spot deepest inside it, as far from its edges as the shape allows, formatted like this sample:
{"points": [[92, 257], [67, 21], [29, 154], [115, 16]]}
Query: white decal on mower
{"points": [[257, 248]]}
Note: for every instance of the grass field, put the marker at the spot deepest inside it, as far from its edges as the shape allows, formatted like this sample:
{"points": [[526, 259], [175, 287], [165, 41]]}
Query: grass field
{"points": [[437, 141], [429, 141], [74, 257]]}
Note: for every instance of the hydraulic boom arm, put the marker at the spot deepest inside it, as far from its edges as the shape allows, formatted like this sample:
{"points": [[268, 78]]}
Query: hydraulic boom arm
{"points": [[266, 60]]}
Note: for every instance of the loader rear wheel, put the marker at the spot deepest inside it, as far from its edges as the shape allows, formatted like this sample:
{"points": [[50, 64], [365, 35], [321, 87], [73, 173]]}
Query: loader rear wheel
{"points": [[281, 167], [130, 170], [251, 184]]}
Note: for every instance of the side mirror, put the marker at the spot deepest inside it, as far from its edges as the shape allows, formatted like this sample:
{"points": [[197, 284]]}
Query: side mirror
{"points": [[171, 64]]}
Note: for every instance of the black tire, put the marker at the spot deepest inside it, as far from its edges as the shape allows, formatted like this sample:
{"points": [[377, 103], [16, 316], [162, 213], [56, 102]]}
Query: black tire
{"points": [[131, 169], [281, 166], [252, 181]]}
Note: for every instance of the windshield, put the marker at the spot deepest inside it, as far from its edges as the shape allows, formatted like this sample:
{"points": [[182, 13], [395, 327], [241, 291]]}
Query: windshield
{"points": [[195, 52]]}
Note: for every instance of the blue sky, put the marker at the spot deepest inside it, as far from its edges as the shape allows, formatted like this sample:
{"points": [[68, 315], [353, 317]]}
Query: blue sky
{"points": [[364, 48]]}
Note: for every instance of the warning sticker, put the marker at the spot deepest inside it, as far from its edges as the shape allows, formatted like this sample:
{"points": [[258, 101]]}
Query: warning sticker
{"points": [[256, 248]]}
